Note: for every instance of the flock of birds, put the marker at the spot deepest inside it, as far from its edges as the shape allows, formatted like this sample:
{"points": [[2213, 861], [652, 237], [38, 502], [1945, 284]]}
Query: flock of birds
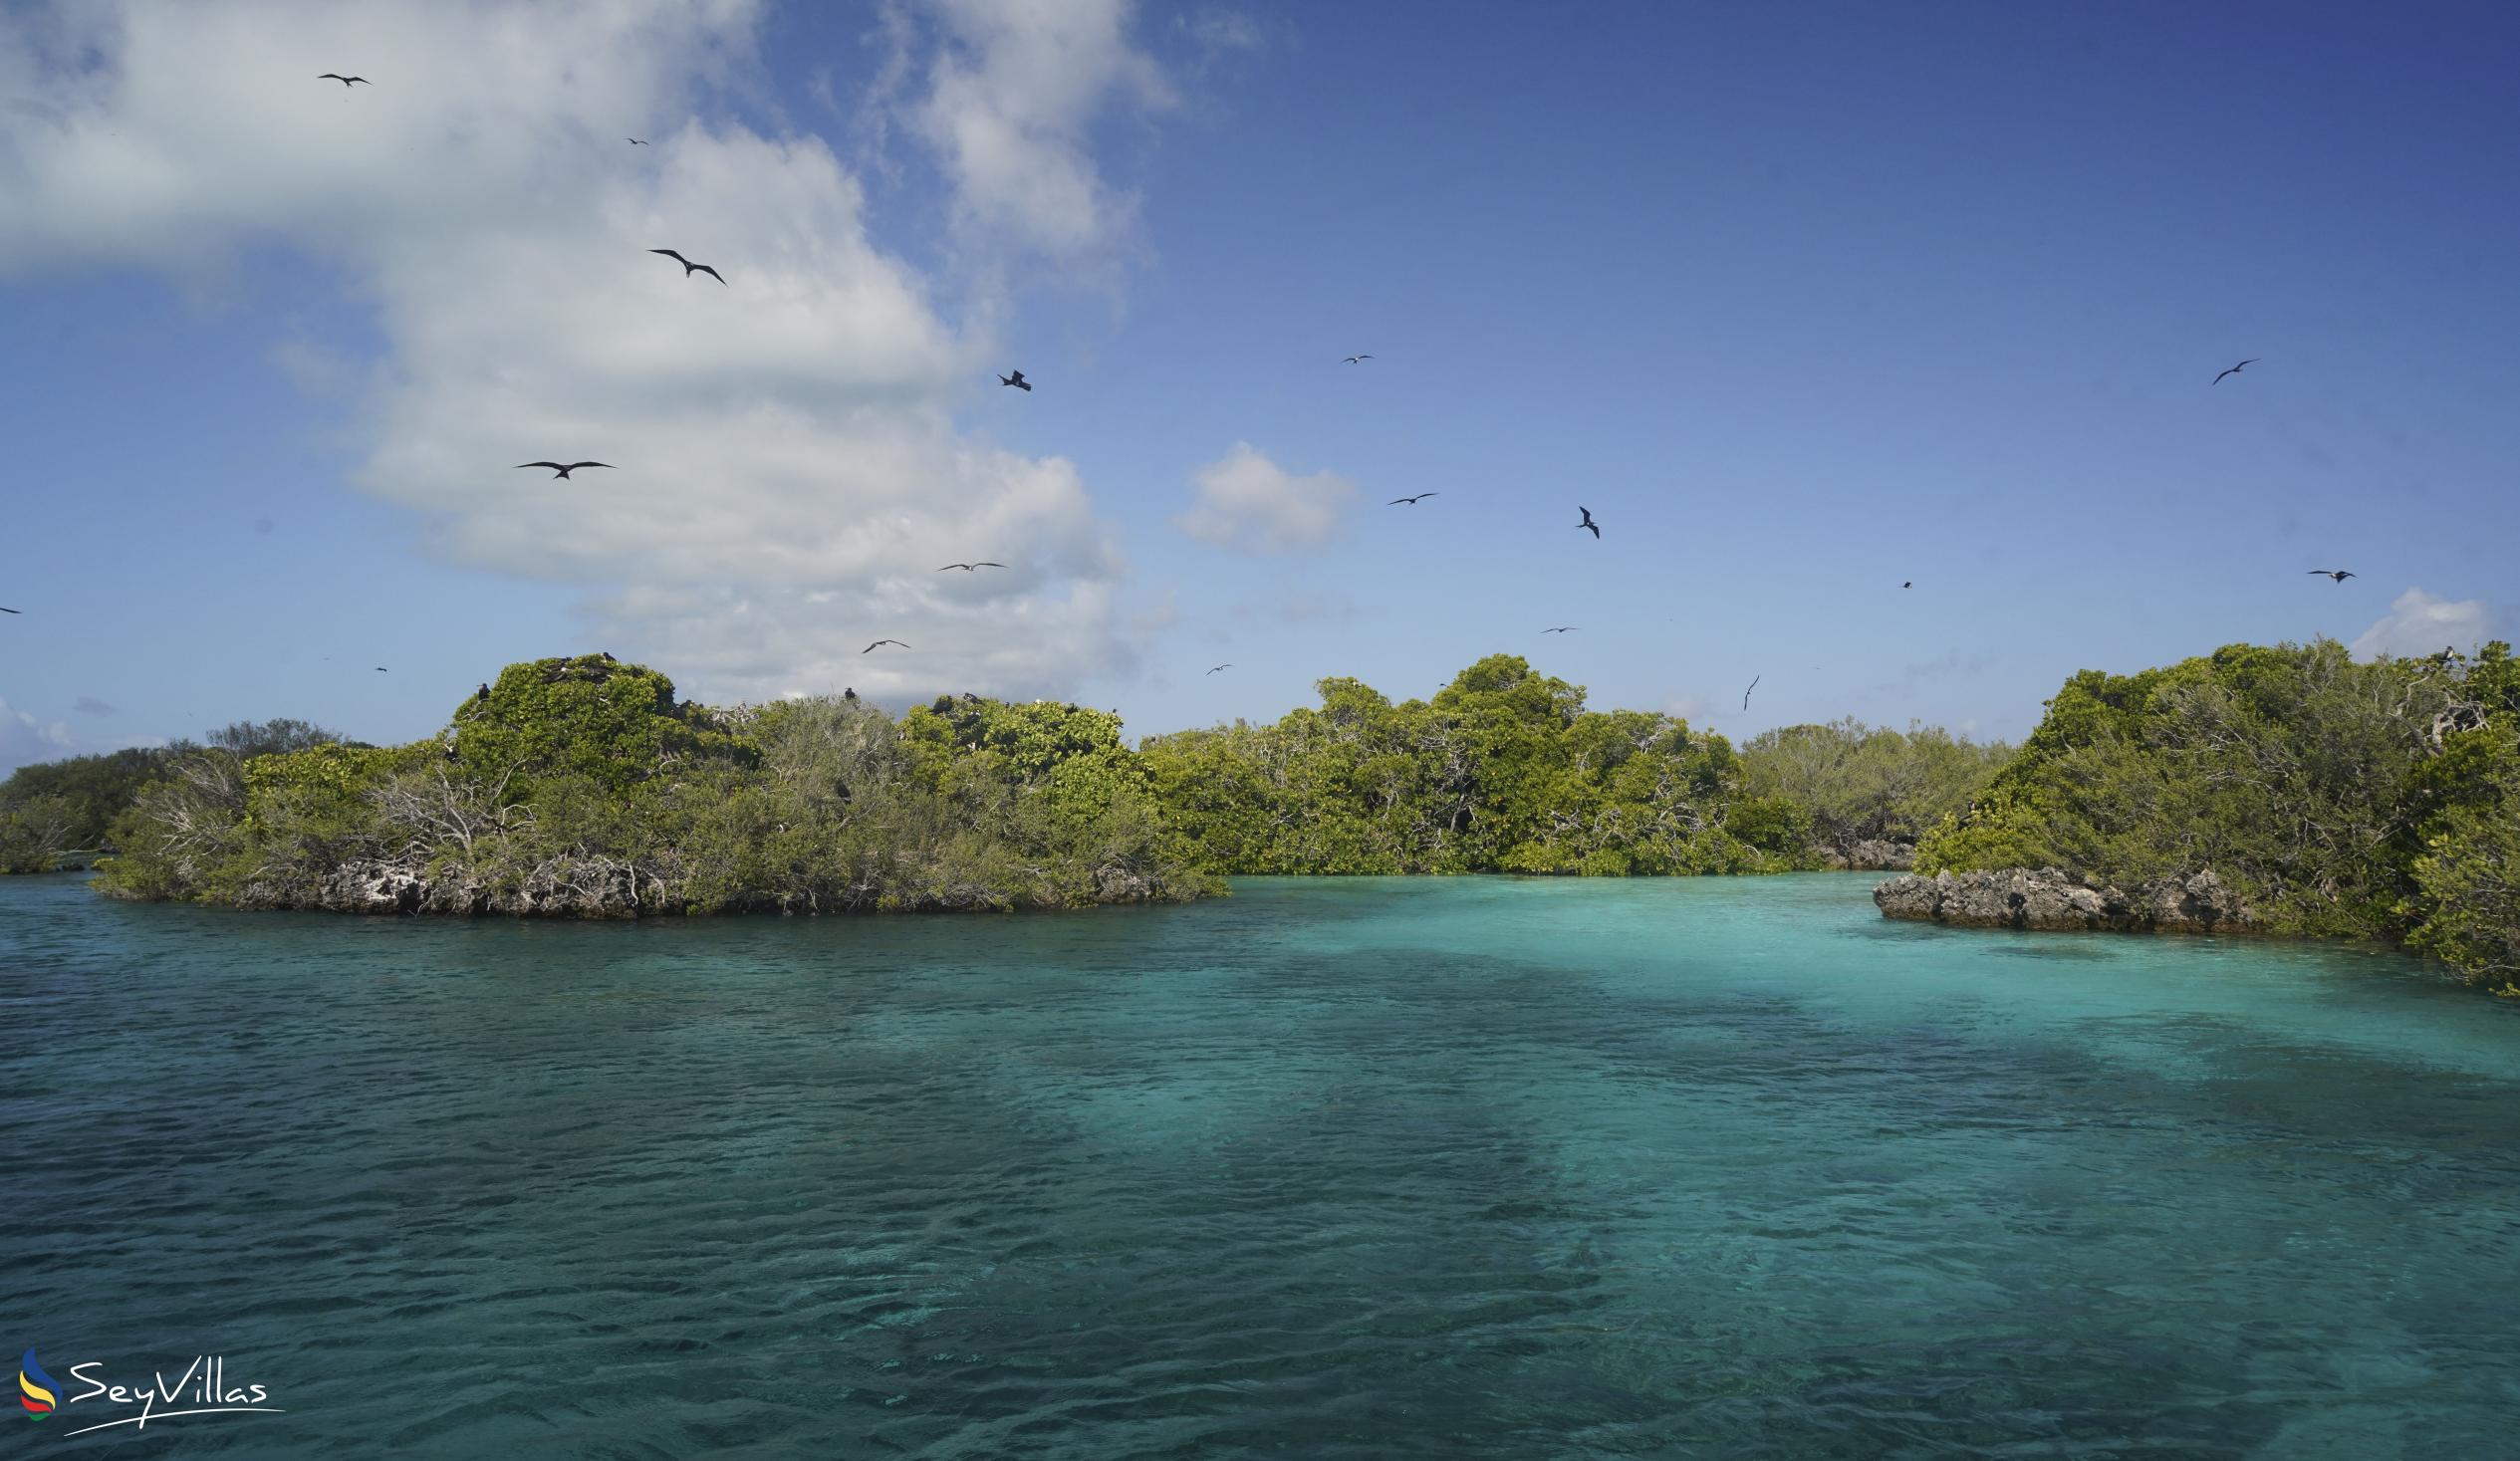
{"points": [[1015, 378]]}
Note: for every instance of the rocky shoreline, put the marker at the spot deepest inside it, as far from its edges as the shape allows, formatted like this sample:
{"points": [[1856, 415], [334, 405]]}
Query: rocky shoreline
{"points": [[2052, 898]]}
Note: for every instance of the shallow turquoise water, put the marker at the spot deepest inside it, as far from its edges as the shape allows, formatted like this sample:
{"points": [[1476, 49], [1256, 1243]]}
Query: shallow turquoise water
{"points": [[1367, 1168]]}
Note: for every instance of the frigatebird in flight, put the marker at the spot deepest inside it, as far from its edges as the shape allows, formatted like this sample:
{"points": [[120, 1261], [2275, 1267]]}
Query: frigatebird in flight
{"points": [[633, 142], [689, 268], [870, 649], [1352, 359], [1588, 521], [1754, 685], [1562, 630], [1222, 667], [2236, 370], [1017, 381], [2339, 575], [344, 79], [968, 566], [564, 469], [1411, 501]]}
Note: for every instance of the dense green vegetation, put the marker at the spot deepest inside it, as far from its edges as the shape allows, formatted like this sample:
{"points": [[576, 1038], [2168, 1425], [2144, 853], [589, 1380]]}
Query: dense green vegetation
{"points": [[2378, 799], [1861, 783], [582, 787], [1503, 771], [52, 808]]}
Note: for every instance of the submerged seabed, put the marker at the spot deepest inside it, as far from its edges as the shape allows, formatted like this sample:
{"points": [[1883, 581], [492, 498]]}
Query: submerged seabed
{"points": [[1370, 1169]]}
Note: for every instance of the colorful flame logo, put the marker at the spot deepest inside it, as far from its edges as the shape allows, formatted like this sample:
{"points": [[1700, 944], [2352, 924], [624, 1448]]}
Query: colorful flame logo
{"points": [[35, 1387]]}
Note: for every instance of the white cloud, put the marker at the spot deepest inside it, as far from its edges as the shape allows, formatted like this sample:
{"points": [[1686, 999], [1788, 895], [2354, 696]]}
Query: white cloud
{"points": [[789, 473], [1012, 92], [2420, 623], [25, 740], [1247, 501]]}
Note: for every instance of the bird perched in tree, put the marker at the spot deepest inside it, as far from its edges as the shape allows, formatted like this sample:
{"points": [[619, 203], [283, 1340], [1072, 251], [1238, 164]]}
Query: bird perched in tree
{"points": [[1588, 521], [2234, 371], [484, 697], [344, 79], [565, 470], [2339, 575], [870, 649], [1017, 381], [851, 693], [1411, 501], [689, 268]]}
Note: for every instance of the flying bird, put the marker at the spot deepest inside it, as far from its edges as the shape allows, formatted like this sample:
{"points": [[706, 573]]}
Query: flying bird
{"points": [[1017, 381], [1222, 667], [1411, 501], [2339, 575], [7, 611], [2234, 371], [636, 142], [1352, 359], [1911, 583], [344, 79], [1562, 630], [1588, 521], [968, 566], [870, 649], [1754, 685], [689, 268], [563, 471], [380, 669]]}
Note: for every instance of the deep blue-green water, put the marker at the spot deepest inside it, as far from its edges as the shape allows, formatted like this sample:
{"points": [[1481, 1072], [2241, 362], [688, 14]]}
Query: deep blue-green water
{"points": [[1368, 1168]]}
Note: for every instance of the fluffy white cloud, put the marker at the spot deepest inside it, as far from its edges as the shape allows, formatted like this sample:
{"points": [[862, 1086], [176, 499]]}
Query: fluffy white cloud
{"points": [[1247, 501], [2420, 623], [24, 739], [1011, 92], [789, 475]]}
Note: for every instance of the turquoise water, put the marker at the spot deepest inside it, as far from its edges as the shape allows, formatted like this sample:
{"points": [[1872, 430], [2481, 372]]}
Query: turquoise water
{"points": [[1370, 1169]]}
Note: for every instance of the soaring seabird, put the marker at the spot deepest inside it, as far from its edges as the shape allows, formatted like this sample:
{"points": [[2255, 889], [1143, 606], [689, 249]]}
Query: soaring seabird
{"points": [[1745, 695], [1017, 381], [2234, 371], [968, 566], [1411, 501], [1352, 359], [1562, 630], [7, 611], [564, 469], [2339, 575], [1588, 521], [344, 79], [870, 649], [636, 142], [1222, 667], [689, 268]]}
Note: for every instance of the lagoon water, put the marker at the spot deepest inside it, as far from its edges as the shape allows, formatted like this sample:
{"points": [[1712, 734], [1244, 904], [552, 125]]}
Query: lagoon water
{"points": [[1358, 1168]]}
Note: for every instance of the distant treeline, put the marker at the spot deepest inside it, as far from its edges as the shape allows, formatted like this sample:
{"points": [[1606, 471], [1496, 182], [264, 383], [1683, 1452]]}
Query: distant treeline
{"points": [[2378, 799], [1506, 771]]}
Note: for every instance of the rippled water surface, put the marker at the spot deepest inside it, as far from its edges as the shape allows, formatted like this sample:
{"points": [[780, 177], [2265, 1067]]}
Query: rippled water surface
{"points": [[1368, 1168]]}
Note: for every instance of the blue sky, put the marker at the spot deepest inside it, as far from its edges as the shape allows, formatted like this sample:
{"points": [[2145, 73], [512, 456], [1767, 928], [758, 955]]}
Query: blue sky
{"points": [[1801, 304]]}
